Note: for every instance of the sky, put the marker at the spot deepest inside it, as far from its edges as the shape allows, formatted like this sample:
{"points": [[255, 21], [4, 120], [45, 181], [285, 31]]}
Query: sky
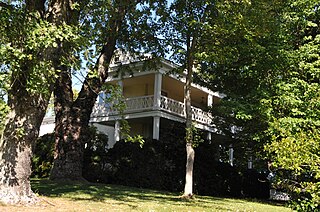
{"points": [[78, 76]]}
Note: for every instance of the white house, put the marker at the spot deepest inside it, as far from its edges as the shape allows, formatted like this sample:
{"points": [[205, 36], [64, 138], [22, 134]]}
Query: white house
{"points": [[154, 97]]}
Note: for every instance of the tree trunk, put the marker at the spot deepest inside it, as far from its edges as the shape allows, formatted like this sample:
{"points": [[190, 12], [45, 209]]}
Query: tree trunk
{"points": [[72, 122], [21, 131], [72, 118], [68, 147], [27, 109], [66, 155], [188, 188]]}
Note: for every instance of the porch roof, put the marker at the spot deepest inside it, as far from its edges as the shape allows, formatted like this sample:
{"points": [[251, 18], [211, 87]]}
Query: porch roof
{"points": [[126, 70]]}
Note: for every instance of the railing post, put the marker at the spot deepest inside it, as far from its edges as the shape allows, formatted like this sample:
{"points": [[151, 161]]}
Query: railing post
{"points": [[157, 90], [250, 163]]}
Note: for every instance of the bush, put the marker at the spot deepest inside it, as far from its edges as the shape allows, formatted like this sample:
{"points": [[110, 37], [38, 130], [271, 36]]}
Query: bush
{"points": [[157, 165], [94, 153], [303, 188], [255, 184], [42, 158], [212, 177], [160, 164], [148, 167], [94, 156]]}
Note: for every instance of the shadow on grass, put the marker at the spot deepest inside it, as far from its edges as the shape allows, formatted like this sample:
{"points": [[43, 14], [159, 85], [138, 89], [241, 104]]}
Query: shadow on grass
{"points": [[102, 192], [131, 197]]}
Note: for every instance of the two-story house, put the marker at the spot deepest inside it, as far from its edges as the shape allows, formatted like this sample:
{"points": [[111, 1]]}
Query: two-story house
{"points": [[154, 98]]}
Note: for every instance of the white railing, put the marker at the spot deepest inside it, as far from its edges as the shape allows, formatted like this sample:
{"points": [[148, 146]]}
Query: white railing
{"points": [[139, 103], [201, 116], [132, 104], [177, 107], [103, 110], [144, 103], [172, 106]]}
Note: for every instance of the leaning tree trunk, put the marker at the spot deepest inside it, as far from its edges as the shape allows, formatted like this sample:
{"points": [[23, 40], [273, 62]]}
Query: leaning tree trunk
{"points": [[72, 118], [20, 132], [72, 122]]}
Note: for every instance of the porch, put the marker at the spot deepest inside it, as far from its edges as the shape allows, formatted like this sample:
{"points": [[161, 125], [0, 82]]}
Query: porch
{"points": [[150, 106], [146, 103]]}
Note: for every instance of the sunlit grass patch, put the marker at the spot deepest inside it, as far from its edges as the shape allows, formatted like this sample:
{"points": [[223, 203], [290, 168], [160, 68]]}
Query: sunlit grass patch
{"points": [[67, 196]]}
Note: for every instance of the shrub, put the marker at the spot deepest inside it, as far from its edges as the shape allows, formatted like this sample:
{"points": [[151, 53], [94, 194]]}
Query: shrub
{"points": [[148, 167], [255, 184], [94, 156], [42, 158], [94, 153], [212, 177], [157, 165], [160, 164]]}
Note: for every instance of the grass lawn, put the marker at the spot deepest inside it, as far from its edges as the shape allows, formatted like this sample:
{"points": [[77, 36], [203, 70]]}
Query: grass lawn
{"points": [[101, 197]]}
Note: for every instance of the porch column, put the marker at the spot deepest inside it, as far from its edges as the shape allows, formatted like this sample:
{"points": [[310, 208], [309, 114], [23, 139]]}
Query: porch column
{"points": [[209, 136], [117, 131], [156, 127], [231, 154], [157, 89], [120, 84], [101, 98], [250, 164], [210, 100]]}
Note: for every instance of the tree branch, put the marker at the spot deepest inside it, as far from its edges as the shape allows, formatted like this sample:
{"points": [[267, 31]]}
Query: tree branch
{"points": [[7, 6]]}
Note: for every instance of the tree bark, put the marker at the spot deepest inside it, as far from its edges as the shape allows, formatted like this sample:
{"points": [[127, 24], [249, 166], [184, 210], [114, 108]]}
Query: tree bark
{"points": [[188, 188], [21, 130], [67, 154], [27, 109], [72, 117]]}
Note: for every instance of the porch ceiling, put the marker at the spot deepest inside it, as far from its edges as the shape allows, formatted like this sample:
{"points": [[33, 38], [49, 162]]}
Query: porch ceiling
{"points": [[173, 87], [135, 80], [177, 88]]}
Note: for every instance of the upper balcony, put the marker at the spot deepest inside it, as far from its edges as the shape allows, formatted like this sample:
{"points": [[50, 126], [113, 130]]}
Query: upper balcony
{"points": [[143, 104], [156, 92], [153, 93]]}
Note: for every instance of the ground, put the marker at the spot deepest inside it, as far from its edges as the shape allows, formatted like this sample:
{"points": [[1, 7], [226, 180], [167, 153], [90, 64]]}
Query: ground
{"points": [[101, 197]]}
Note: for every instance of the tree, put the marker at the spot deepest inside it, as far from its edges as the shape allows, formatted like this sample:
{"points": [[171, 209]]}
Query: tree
{"points": [[241, 61], [271, 78], [117, 24], [184, 32], [31, 37], [294, 110]]}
